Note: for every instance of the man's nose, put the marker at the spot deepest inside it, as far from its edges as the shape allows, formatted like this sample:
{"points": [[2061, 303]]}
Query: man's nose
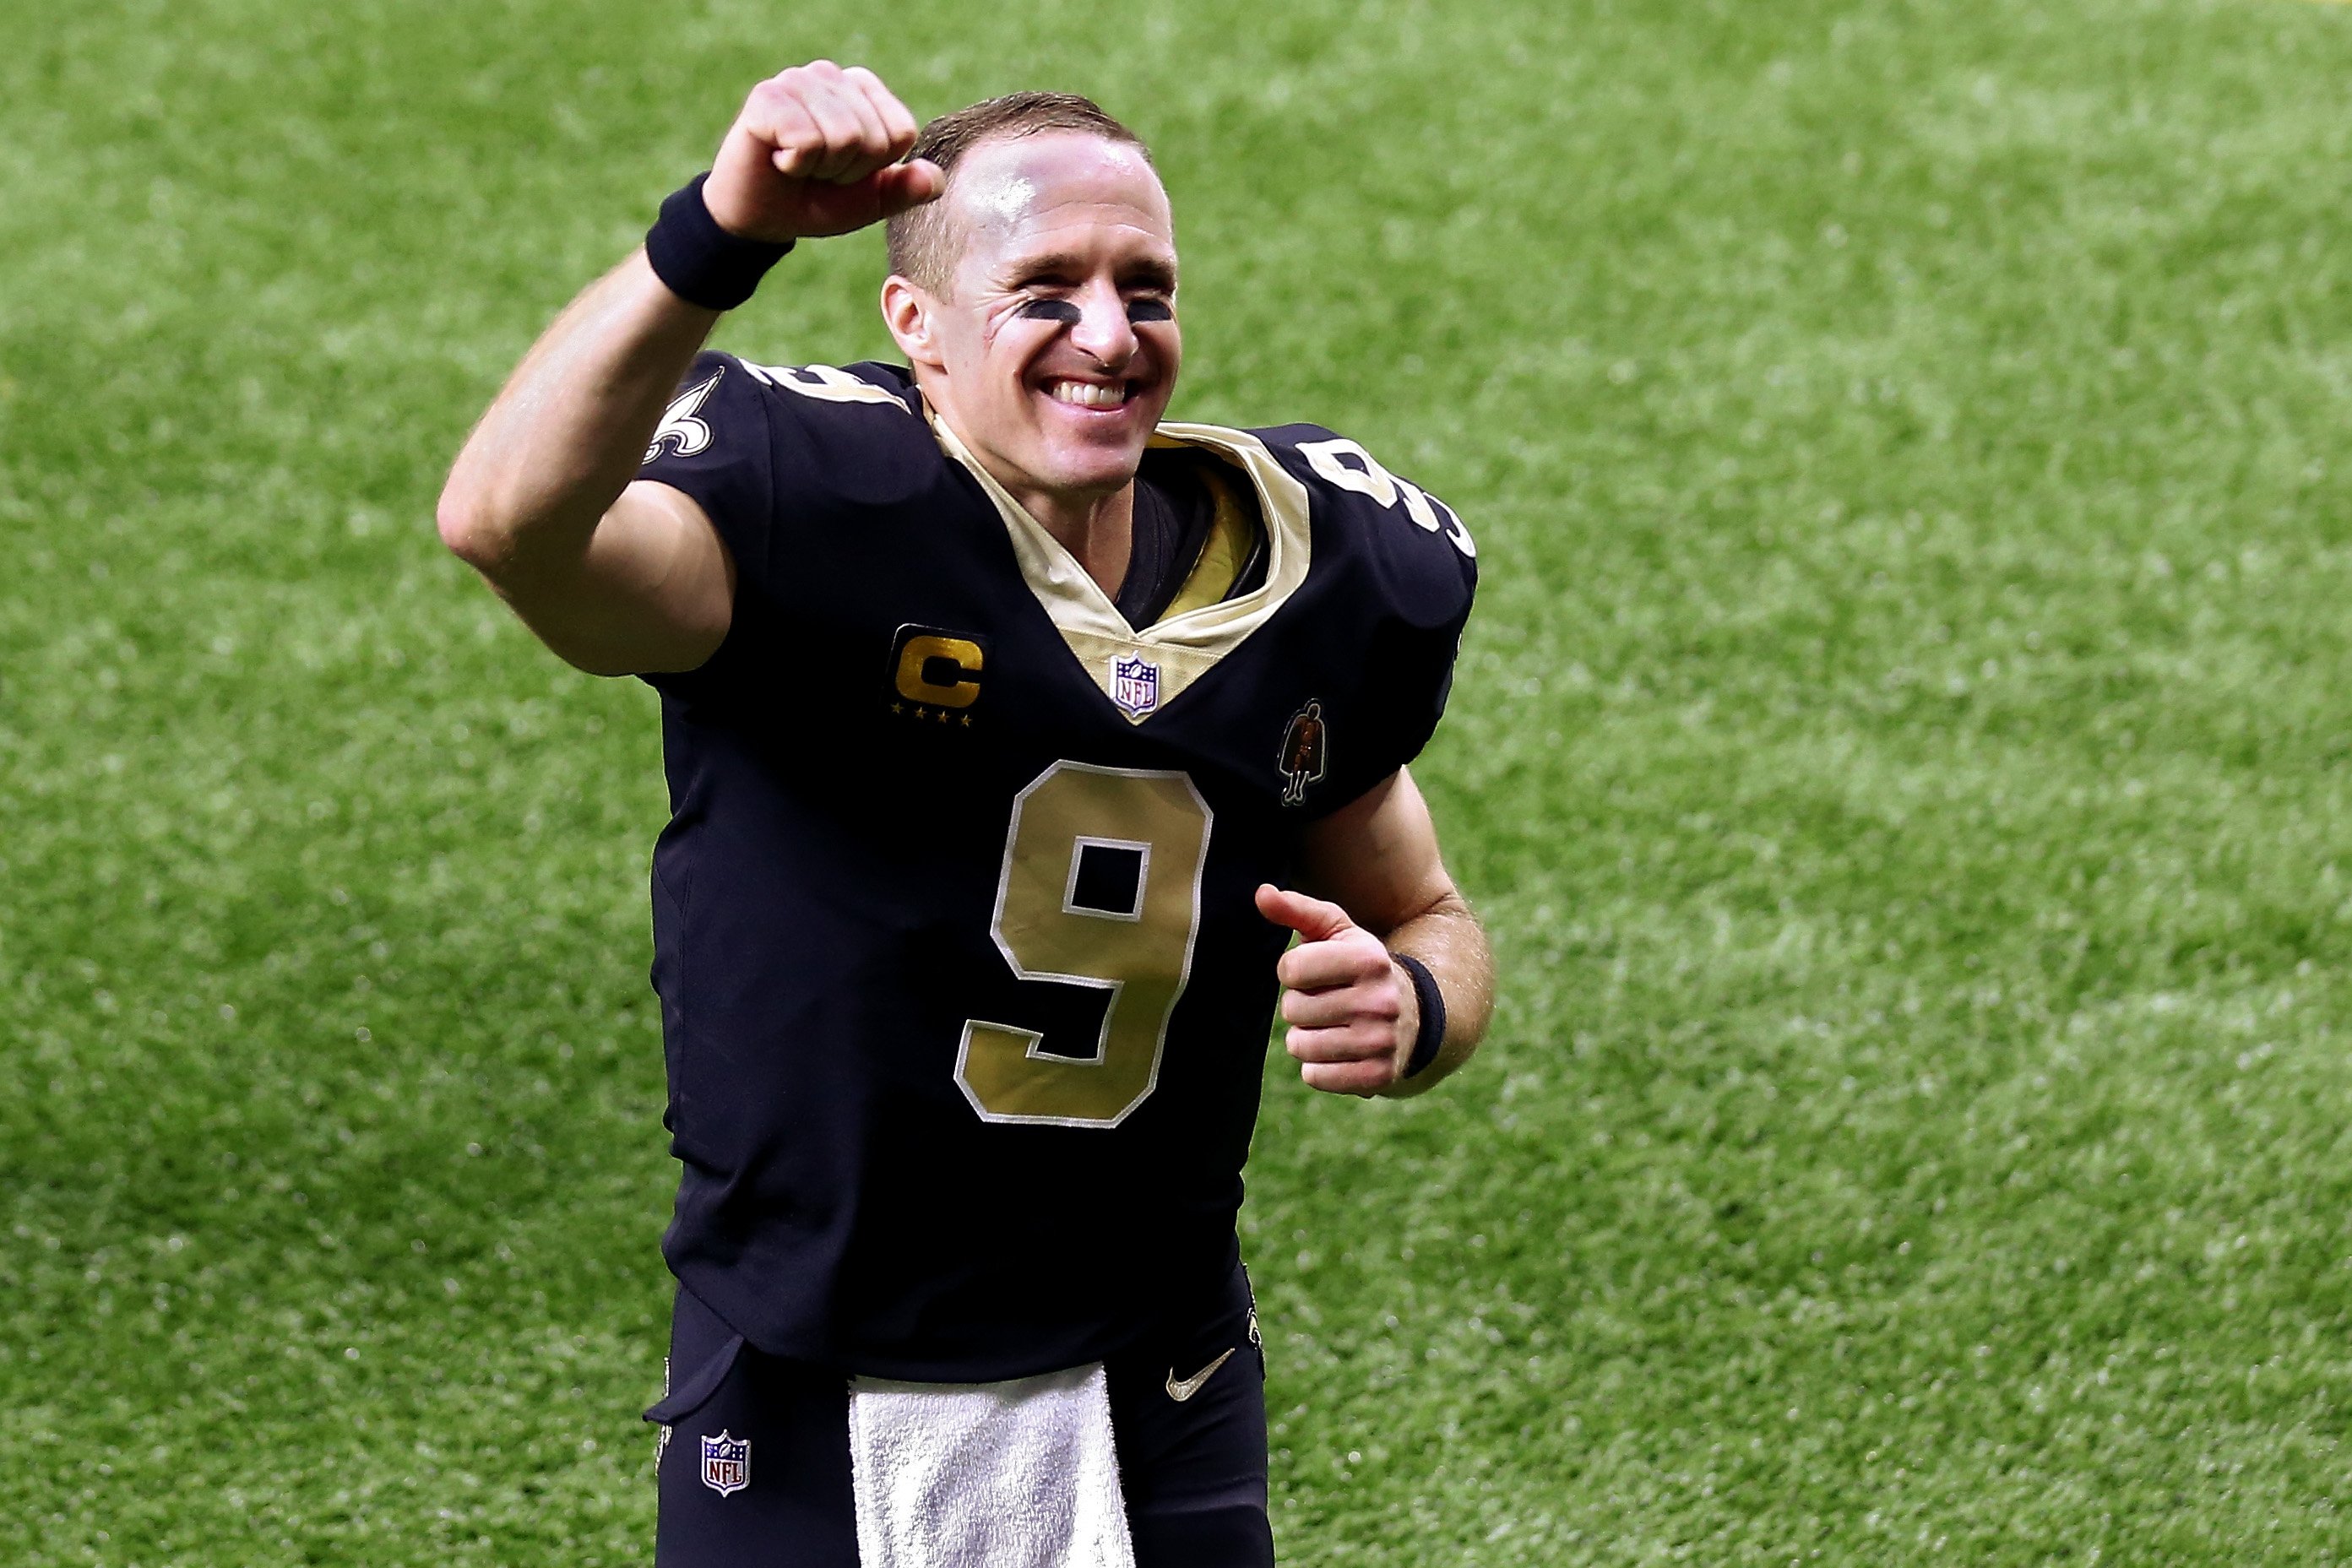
{"points": [[1103, 331]]}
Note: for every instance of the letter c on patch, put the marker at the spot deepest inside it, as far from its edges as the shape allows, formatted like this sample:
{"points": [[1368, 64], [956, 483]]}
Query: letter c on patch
{"points": [[940, 671]]}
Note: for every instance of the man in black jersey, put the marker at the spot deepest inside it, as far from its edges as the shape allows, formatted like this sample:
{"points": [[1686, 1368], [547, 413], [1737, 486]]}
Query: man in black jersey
{"points": [[1012, 732]]}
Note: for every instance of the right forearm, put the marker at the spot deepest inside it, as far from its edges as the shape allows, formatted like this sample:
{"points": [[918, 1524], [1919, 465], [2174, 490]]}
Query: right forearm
{"points": [[621, 578], [569, 430]]}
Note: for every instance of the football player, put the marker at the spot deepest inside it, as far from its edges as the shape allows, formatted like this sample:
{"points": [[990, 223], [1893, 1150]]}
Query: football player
{"points": [[1013, 733]]}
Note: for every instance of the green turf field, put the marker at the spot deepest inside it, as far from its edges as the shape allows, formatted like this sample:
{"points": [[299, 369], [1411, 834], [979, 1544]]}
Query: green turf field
{"points": [[1895, 754]]}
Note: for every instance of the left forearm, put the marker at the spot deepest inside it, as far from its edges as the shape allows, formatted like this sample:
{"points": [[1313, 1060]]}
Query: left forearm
{"points": [[1375, 887], [1450, 942]]}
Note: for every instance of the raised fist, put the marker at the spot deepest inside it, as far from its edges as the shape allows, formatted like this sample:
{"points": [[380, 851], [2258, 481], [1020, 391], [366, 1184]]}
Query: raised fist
{"points": [[815, 152]]}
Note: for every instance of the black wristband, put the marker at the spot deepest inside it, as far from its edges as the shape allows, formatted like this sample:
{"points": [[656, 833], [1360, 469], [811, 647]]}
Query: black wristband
{"points": [[1432, 1033], [702, 263]]}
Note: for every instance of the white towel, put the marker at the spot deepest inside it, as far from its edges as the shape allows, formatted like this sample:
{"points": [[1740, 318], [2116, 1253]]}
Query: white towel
{"points": [[987, 1475]]}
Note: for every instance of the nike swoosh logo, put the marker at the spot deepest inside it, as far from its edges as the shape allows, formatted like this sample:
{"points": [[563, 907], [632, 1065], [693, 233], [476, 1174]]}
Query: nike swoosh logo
{"points": [[1181, 1389]]}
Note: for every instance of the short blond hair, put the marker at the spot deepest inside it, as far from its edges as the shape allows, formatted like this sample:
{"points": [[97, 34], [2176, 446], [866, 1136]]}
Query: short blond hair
{"points": [[921, 241]]}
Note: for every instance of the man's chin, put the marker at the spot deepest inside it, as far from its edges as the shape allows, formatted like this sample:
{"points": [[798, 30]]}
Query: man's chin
{"points": [[1091, 469]]}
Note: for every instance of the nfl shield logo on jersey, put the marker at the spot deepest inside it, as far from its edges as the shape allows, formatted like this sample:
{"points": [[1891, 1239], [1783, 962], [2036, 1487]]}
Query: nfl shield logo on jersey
{"points": [[1135, 685], [725, 1464]]}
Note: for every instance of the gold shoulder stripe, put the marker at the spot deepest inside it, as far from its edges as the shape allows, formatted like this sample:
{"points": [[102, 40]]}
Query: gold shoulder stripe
{"points": [[826, 383]]}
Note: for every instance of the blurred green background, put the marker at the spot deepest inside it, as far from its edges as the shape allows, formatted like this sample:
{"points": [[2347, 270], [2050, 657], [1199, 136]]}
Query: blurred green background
{"points": [[1901, 753]]}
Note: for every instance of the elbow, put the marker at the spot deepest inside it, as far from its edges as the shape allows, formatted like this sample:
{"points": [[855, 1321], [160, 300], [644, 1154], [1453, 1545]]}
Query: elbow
{"points": [[466, 528]]}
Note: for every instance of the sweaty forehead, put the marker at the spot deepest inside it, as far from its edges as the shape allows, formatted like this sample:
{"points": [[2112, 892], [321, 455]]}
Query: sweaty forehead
{"points": [[1065, 189]]}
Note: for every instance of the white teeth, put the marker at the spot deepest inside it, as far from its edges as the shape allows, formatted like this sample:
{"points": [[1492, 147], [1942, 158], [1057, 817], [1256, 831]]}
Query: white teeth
{"points": [[1087, 394]]}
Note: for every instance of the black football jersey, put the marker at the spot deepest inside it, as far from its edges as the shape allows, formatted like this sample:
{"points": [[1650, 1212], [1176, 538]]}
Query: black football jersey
{"points": [[965, 997]]}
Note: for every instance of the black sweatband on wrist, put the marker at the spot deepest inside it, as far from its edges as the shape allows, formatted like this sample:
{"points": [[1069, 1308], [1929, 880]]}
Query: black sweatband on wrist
{"points": [[1432, 1033], [701, 262]]}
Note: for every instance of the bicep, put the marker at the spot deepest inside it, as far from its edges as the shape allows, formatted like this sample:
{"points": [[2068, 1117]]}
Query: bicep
{"points": [[1378, 858], [653, 591]]}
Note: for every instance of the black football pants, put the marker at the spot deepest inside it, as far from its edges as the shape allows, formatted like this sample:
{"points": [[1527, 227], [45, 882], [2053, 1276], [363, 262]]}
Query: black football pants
{"points": [[1193, 1471]]}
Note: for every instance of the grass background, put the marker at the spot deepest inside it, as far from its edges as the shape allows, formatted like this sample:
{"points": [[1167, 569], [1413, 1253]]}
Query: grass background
{"points": [[1901, 754]]}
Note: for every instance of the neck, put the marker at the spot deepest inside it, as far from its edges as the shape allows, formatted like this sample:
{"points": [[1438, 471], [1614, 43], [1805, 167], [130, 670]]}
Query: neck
{"points": [[1098, 530], [1096, 527]]}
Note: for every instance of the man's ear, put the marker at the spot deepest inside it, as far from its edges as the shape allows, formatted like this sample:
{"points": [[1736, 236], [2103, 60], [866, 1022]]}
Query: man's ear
{"points": [[907, 311]]}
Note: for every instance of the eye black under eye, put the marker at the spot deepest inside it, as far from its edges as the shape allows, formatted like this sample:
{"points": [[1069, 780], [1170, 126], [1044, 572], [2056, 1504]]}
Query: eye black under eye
{"points": [[1060, 310], [1150, 311]]}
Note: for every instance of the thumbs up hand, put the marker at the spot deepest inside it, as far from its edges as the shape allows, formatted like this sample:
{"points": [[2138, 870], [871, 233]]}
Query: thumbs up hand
{"points": [[1351, 1011]]}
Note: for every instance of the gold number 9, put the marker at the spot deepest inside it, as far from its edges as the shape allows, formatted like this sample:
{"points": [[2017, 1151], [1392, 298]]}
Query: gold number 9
{"points": [[1070, 911]]}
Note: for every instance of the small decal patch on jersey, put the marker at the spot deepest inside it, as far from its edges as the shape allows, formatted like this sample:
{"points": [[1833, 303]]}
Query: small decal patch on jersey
{"points": [[684, 433], [1304, 754], [935, 674], [725, 1464], [1135, 685]]}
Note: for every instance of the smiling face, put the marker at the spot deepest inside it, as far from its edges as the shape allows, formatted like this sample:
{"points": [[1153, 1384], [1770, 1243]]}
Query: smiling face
{"points": [[1054, 350]]}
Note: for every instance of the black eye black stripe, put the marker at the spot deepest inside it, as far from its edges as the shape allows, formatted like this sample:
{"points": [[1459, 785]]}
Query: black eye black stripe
{"points": [[1066, 313]]}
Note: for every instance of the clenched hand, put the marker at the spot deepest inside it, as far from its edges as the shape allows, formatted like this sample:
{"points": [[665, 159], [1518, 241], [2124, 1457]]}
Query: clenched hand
{"points": [[816, 151], [1351, 1013]]}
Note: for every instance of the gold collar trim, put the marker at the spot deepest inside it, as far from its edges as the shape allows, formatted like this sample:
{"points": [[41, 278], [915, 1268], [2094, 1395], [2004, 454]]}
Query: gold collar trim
{"points": [[1161, 661]]}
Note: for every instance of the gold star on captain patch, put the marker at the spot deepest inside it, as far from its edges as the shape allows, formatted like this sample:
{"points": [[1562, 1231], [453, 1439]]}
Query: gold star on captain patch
{"points": [[898, 707], [967, 721]]}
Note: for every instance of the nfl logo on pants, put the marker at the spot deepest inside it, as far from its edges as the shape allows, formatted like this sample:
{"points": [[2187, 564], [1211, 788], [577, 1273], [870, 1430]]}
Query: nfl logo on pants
{"points": [[725, 1464]]}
